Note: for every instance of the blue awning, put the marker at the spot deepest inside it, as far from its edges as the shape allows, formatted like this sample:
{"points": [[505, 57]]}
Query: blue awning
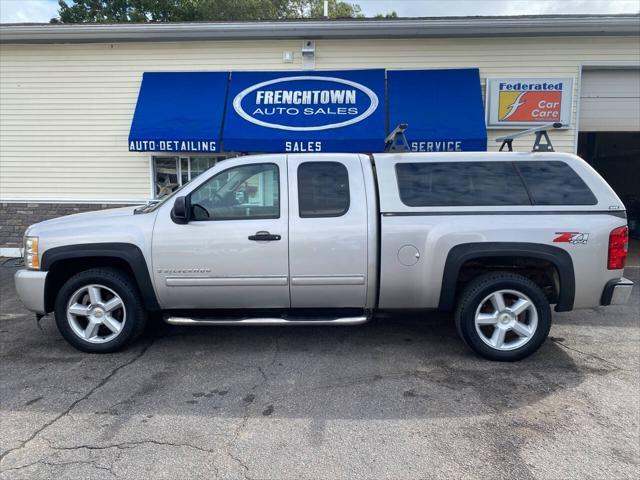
{"points": [[320, 111], [443, 108], [179, 112]]}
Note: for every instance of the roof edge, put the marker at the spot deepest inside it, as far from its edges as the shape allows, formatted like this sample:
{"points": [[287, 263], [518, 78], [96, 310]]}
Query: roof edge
{"points": [[521, 26]]}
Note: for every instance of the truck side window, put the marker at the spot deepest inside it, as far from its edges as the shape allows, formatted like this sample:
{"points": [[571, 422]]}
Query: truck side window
{"points": [[323, 189], [239, 193], [458, 184], [555, 183]]}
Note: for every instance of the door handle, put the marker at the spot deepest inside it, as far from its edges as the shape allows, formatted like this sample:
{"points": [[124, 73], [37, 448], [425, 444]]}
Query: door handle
{"points": [[264, 237]]}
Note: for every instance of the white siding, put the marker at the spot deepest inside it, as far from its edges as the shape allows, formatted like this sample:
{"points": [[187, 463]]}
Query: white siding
{"points": [[65, 110], [610, 101]]}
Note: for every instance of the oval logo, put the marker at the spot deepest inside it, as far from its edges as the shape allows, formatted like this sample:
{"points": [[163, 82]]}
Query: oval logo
{"points": [[305, 103]]}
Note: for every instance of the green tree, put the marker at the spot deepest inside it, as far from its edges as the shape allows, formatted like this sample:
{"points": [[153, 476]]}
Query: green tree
{"points": [[391, 14], [140, 11], [337, 9], [239, 10], [119, 11]]}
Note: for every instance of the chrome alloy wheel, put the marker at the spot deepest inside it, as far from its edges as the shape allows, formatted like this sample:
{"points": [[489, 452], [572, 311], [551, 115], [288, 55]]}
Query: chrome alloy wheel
{"points": [[506, 320], [96, 313]]}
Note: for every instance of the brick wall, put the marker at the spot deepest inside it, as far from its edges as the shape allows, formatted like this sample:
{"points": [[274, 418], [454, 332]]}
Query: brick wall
{"points": [[16, 217]]}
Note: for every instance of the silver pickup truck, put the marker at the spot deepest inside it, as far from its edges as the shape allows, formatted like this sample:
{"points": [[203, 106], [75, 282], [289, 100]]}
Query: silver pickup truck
{"points": [[496, 238]]}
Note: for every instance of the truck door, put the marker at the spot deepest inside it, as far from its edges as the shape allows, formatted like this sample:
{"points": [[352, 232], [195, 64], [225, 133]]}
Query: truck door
{"points": [[327, 231], [233, 253]]}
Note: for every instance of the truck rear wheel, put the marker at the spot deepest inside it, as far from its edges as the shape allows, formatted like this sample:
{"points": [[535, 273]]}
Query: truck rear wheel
{"points": [[503, 316], [99, 310]]}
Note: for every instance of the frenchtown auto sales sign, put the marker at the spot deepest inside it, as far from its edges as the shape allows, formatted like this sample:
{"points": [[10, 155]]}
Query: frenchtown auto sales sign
{"points": [[315, 112], [305, 103]]}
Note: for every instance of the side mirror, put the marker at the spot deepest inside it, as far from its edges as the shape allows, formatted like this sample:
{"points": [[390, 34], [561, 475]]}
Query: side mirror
{"points": [[180, 210]]}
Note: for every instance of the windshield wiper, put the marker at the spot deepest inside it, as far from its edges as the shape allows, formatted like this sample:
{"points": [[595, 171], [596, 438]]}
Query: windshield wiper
{"points": [[147, 206]]}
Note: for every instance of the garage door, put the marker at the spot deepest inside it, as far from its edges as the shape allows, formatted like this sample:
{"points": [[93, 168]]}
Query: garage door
{"points": [[610, 100]]}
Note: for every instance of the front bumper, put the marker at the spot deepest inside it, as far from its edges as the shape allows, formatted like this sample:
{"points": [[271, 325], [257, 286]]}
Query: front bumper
{"points": [[617, 292], [30, 286]]}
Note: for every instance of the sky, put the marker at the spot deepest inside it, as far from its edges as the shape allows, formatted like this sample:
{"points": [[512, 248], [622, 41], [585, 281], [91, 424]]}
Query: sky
{"points": [[18, 11]]}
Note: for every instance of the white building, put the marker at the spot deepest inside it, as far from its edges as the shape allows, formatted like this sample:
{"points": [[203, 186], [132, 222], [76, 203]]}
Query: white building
{"points": [[68, 94]]}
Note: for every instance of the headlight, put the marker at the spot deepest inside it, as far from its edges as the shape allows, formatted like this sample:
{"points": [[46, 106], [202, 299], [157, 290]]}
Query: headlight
{"points": [[31, 259]]}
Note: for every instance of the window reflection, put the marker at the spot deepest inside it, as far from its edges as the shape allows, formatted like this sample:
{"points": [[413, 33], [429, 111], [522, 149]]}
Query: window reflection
{"points": [[173, 172]]}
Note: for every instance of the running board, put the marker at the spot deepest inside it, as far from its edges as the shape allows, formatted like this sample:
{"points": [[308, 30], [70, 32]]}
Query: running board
{"points": [[265, 321]]}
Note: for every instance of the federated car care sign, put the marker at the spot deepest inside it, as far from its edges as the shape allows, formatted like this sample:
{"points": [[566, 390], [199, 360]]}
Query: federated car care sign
{"points": [[516, 102], [305, 112]]}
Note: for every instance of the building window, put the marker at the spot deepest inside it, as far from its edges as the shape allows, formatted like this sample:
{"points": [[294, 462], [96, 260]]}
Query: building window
{"points": [[170, 173]]}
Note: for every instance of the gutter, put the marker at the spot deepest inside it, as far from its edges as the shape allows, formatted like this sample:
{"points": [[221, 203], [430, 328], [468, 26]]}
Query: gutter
{"points": [[442, 27]]}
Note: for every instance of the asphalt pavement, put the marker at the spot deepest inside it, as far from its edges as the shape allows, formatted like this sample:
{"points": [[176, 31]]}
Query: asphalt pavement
{"points": [[398, 398]]}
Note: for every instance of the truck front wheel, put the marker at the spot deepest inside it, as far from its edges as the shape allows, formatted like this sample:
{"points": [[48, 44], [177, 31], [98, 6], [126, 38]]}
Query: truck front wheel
{"points": [[503, 316], [99, 310]]}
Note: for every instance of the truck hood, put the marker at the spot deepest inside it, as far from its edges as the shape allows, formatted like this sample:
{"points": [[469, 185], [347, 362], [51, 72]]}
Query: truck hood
{"points": [[79, 220]]}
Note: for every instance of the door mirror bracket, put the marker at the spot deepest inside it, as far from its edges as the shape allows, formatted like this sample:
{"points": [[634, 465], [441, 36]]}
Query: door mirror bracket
{"points": [[180, 210]]}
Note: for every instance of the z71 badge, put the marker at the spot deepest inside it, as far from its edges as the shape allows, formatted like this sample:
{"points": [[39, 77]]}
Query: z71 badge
{"points": [[574, 238]]}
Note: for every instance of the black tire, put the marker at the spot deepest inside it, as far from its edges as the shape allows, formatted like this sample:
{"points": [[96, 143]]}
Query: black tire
{"points": [[479, 289], [124, 287]]}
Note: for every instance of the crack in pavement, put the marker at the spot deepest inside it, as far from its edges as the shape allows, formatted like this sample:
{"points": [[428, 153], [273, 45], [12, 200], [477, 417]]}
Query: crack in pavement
{"points": [[131, 444], [103, 382], [239, 461], [245, 418], [93, 463], [137, 443], [590, 355]]}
